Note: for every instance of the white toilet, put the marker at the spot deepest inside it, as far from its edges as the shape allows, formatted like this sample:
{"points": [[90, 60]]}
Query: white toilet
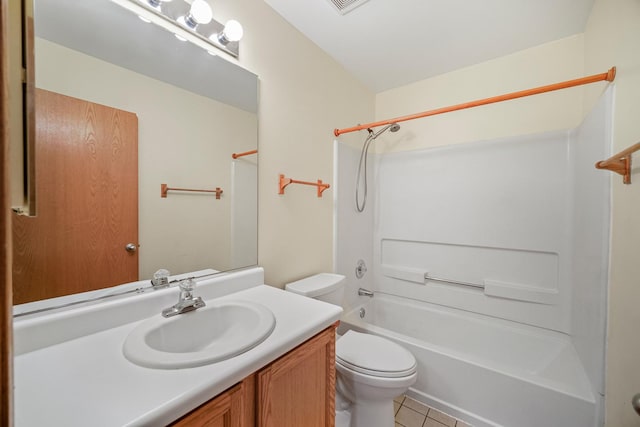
{"points": [[370, 370]]}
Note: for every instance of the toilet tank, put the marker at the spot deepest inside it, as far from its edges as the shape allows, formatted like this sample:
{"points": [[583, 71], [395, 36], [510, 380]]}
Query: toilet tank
{"points": [[325, 287]]}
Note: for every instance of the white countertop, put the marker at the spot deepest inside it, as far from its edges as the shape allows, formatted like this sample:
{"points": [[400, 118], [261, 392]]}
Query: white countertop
{"points": [[87, 380]]}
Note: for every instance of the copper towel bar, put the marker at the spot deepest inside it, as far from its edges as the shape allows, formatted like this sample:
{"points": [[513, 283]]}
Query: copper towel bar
{"points": [[286, 181], [164, 188]]}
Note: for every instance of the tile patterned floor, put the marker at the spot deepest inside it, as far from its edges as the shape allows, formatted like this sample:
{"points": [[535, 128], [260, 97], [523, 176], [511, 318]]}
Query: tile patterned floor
{"points": [[411, 413]]}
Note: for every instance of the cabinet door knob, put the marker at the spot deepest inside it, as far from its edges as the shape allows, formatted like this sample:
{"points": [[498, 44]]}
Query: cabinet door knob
{"points": [[130, 247]]}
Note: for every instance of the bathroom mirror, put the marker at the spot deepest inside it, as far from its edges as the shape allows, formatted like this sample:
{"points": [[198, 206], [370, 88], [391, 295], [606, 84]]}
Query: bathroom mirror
{"points": [[103, 74]]}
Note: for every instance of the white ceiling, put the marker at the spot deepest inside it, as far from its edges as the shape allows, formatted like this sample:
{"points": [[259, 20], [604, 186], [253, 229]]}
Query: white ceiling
{"points": [[390, 43]]}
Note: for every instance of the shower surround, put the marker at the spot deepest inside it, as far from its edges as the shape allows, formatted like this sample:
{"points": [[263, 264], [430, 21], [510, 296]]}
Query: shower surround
{"points": [[524, 219]]}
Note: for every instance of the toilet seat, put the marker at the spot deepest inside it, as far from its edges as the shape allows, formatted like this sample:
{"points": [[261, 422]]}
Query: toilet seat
{"points": [[375, 356]]}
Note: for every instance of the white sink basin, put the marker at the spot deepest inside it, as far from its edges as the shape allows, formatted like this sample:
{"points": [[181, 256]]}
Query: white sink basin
{"points": [[216, 332]]}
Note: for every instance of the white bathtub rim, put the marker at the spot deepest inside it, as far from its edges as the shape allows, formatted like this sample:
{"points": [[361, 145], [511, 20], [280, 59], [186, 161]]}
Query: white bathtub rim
{"points": [[351, 320]]}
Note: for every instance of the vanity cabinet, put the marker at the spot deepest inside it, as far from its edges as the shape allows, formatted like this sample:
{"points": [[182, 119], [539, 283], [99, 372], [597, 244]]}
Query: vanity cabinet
{"points": [[233, 408], [298, 389]]}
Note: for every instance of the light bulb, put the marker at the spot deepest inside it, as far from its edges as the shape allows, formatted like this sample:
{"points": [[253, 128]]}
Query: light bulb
{"points": [[232, 32], [201, 12]]}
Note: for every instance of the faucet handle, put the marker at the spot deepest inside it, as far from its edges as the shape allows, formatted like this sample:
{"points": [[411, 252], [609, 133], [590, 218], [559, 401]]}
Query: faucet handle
{"points": [[160, 278], [187, 285]]}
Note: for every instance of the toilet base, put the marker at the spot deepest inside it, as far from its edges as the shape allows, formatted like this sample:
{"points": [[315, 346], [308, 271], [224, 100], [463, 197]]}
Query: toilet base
{"points": [[372, 414], [368, 399]]}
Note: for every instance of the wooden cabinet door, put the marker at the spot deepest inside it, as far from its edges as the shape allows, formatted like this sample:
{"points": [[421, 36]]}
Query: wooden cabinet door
{"points": [[298, 390], [233, 408]]}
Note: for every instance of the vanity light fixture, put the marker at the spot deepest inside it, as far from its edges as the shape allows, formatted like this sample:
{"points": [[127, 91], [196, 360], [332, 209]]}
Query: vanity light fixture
{"points": [[190, 20]]}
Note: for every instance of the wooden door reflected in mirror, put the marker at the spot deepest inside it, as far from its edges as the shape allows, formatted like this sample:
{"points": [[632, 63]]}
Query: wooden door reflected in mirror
{"points": [[87, 183]]}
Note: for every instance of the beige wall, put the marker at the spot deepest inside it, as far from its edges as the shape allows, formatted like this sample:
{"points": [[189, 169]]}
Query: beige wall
{"points": [[612, 37], [549, 63], [304, 95]]}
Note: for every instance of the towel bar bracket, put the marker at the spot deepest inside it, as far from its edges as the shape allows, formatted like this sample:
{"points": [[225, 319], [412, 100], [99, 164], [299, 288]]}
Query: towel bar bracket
{"points": [[620, 163]]}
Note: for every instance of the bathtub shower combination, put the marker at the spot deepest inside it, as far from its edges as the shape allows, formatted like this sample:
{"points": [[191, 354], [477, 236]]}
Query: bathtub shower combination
{"points": [[495, 278]]}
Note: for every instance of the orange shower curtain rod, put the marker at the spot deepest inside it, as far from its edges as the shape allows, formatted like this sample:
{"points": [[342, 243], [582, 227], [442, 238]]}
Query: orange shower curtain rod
{"points": [[608, 76]]}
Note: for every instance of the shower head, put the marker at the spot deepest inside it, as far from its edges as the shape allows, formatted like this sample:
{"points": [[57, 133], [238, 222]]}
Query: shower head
{"points": [[393, 127]]}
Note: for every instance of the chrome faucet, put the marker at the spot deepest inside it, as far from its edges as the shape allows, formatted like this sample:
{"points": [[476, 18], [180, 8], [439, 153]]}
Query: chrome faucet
{"points": [[186, 301], [365, 292]]}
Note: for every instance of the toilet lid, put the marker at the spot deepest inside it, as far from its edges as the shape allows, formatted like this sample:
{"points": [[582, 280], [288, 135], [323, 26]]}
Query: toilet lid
{"points": [[373, 355]]}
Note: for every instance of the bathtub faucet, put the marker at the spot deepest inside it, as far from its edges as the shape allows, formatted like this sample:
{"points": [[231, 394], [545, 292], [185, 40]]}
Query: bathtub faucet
{"points": [[365, 292]]}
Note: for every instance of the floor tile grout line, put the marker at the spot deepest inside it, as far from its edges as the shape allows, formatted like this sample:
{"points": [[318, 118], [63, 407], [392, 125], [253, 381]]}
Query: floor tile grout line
{"points": [[417, 412], [426, 416]]}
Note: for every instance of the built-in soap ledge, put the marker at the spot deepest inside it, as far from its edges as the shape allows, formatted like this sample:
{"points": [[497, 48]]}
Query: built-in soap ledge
{"points": [[407, 274], [491, 288]]}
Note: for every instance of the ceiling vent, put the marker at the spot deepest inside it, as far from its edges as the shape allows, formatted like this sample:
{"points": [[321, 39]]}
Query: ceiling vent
{"points": [[346, 6]]}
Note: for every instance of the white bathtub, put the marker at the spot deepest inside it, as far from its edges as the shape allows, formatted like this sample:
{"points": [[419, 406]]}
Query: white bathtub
{"points": [[486, 371]]}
